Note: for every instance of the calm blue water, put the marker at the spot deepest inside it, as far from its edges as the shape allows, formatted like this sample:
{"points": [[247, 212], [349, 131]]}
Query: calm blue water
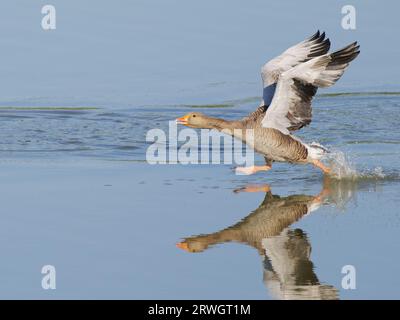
{"points": [[77, 193]]}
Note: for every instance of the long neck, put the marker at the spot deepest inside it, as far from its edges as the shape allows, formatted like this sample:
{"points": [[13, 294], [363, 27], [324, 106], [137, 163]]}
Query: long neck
{"points": [[225, 126], [236, 128]]}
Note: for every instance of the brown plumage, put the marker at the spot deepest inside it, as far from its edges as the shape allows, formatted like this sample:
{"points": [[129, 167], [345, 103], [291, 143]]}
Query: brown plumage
{"points": [[273, 144]]}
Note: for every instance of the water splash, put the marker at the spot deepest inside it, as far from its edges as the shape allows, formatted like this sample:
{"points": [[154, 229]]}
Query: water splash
{"points": [[341, 166]]}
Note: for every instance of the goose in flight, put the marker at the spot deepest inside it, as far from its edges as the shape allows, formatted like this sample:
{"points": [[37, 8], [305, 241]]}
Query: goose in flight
{"points": [[290, 81]]}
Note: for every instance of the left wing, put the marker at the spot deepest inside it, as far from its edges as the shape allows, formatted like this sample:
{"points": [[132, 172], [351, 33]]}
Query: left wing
{"points": [[312, 47]]}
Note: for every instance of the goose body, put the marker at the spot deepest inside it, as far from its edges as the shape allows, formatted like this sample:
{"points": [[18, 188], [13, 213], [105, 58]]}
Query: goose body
{"points": [[290, 81]]}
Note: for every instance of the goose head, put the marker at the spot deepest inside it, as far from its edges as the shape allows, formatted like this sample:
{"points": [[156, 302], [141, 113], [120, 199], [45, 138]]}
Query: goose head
{"points": [[196, 120]]}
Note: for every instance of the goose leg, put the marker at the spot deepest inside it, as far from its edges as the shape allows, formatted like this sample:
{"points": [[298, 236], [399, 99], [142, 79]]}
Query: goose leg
{"points": [[252, 169], [321, 166]]}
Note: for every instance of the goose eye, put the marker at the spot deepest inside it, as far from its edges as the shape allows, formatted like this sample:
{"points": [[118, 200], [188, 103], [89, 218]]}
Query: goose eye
{"points": [[194, 116]]}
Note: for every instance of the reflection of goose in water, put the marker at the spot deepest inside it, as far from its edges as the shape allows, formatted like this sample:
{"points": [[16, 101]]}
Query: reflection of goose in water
{"points": [[288, 270]]}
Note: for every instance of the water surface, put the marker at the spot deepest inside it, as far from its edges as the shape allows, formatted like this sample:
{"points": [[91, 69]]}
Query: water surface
{"points": [[78, 194]]}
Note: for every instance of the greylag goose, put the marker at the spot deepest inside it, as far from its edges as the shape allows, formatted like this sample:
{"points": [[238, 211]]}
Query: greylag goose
{"points": [[290, 81]]}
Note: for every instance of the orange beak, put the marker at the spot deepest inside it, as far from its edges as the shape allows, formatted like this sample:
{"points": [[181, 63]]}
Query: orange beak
{"points": [[183, 246], [183, 120]]}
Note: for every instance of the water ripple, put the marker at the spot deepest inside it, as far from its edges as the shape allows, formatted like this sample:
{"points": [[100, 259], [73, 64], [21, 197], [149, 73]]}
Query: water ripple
{"points": [[364, 125]]}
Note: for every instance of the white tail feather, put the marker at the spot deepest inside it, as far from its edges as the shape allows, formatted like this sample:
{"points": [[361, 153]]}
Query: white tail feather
{"points": [[316, 151]]}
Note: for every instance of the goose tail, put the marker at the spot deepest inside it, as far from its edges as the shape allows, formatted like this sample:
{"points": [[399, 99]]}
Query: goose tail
{"points": [[316, 151]]}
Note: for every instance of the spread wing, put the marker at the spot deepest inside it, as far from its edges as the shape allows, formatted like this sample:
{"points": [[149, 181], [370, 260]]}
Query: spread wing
{"points": [[290, 108], [310, 48]]}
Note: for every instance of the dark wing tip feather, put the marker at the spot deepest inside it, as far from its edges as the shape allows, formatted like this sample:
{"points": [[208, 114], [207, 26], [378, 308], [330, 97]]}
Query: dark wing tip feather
{"points": [[318, 39], [345, 55], [314, 36], [328, 44], [347, 49], [341, 58], [318, 45], [320, 48]]}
